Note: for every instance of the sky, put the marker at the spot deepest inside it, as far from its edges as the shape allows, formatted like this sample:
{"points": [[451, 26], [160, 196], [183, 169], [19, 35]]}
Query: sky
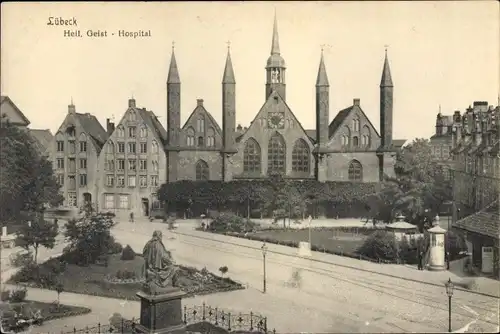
{"points": [[441, 54]]}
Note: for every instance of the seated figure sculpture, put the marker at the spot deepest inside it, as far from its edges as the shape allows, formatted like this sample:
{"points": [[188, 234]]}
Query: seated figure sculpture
{"points": [[160, 270]]}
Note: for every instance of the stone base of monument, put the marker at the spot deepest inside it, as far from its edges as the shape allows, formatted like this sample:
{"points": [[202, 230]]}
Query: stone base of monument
{"points": [[161, 313]]}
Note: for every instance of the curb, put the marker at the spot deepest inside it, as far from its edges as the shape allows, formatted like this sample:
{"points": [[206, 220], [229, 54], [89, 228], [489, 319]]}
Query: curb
{"points": [[342, 265]]}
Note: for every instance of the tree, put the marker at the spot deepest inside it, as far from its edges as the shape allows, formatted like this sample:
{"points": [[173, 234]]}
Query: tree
{"points": [[89, 237], [40, 233], [250, 193], [418, 190], [59, 287], [27, 181], [223, 270]]}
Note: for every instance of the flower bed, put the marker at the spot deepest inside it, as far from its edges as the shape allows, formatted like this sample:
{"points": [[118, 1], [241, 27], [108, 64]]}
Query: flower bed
{"points": [[98, 280], [48, 311]]}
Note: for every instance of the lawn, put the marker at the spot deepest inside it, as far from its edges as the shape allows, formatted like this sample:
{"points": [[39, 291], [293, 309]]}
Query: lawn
{"points": [[49, 311], [98, 279], [335, 240]]}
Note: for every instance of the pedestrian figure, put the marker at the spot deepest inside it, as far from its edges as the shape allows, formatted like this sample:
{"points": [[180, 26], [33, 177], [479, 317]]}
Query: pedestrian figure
{"points": [[131, 217], [420, 260]]}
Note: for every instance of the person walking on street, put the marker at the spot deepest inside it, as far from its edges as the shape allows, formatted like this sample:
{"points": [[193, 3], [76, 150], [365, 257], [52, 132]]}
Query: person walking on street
{"points": [[131, 217], [420, 260]]}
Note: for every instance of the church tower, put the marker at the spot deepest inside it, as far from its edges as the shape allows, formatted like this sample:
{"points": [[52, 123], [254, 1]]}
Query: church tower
{"points": [[322, 104], [386, 152], [386, 99], [322, 118], [228, 105], [228, 117], [275, 68], [173, 119]]}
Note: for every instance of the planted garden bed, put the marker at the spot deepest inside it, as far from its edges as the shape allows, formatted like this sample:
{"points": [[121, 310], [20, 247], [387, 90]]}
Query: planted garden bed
{"points": [[122, 278]]}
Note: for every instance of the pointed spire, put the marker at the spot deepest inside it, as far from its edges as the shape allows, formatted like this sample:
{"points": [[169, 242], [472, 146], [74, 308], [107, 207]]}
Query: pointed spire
{"points": [[72, 101], [386, 80], [322, 79], [228, 77], [275, 46], [173, 72]]}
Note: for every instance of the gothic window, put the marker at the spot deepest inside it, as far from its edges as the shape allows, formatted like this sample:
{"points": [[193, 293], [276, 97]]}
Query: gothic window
{"points": [[190, 137], [251, 156], [355, 124], [120, 131], [355, 171], [300, 156], [200, 124], [276, 154], [201, 141], [355, 141], [202, 172], [144, 132], [211, 137], [344, 140], [154, 146], [365, 138]]}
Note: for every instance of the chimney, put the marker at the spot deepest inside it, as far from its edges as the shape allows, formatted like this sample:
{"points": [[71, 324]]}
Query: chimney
{"points": [[71, 109], [131, 103], [239, 127], [355, 102], [199, 102], [110, 126]]}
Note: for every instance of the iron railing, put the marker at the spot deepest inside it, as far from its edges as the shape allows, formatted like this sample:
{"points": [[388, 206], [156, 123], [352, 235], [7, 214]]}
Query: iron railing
{"points": [[125, 326], [230, 321]]}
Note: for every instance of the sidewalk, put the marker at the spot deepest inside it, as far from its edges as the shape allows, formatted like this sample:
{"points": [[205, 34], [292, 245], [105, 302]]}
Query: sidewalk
{"points": [[486, 286]]}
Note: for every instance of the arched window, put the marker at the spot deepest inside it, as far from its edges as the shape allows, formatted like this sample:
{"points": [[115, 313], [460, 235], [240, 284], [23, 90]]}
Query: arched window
{"points": [[83, 142], [202, 172], [344, 140], [110, 148], [276, 154], [300, 156], [355, 141], [356, 124], [365, 138], [190, 137], [144, 132], [120, 131], [211, 137], [201, 141], [200, 124], [154, 146], [251, 156], [355, 171], [132, 116]]}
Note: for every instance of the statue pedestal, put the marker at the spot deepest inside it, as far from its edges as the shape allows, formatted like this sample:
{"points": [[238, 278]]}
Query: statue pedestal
{"points": [[162, 313]]}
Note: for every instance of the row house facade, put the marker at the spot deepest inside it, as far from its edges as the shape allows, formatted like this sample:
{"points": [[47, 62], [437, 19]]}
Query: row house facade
{"points": [[118, 168], [133, 163], [476, 182]]}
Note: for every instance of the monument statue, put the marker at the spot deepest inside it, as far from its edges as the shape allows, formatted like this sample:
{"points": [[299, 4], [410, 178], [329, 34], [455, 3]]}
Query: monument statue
{"points": [[160, 270]]}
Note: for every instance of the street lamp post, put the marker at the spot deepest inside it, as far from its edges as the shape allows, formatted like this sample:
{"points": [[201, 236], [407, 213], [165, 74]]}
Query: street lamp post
{"points": [[449, 291], [264, 251]]}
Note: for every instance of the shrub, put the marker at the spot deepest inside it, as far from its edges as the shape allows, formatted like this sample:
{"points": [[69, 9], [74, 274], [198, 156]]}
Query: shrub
{"points": [[115, 247], [21, 259], [5, 295], [128, 254], [229, 222], [379, 246], [125, 274], [18, 295]]}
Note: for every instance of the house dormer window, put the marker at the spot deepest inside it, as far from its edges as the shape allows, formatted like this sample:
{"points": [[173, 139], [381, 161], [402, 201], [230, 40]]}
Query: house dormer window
{"points": [[132, 116], [144, 132], [120, 131]]}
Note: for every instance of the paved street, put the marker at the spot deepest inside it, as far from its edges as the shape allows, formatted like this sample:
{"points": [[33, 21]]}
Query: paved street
{"points": [[331, 298]]}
